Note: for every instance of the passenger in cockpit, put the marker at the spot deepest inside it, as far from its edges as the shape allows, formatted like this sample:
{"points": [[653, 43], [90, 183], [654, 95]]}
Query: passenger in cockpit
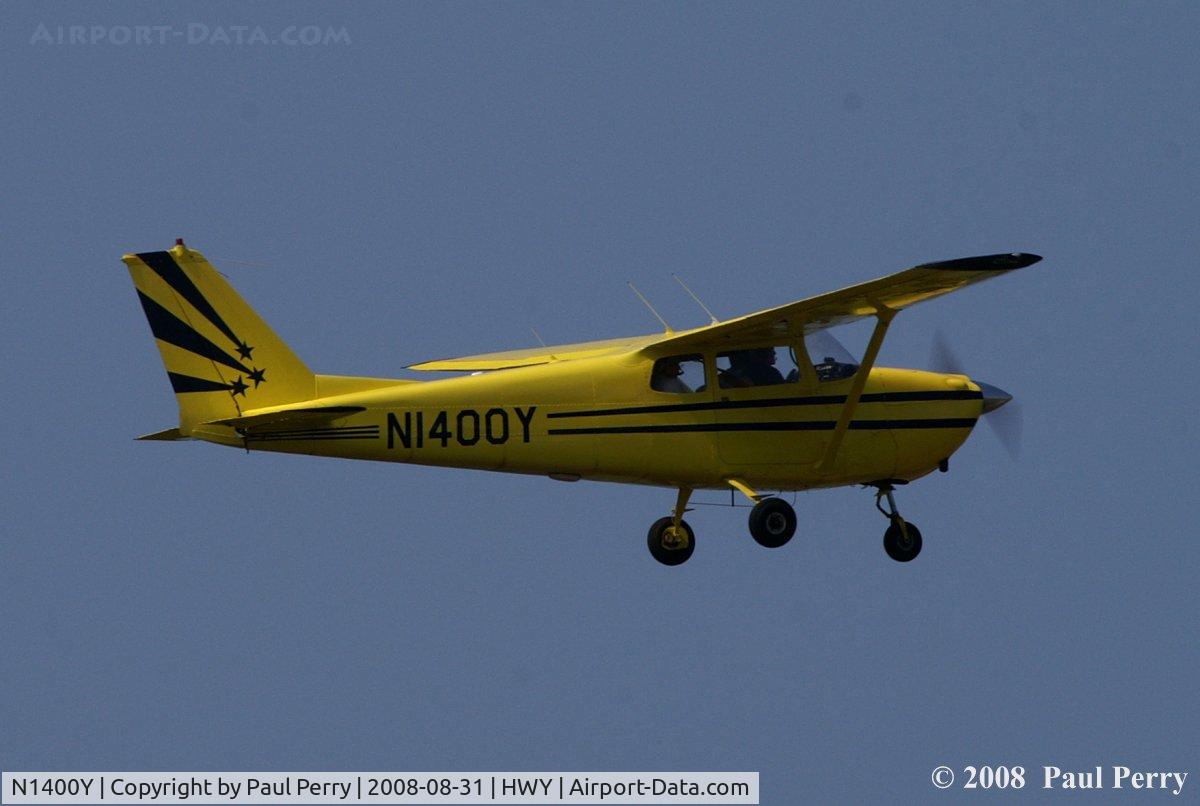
{"points": [[665, 377]]}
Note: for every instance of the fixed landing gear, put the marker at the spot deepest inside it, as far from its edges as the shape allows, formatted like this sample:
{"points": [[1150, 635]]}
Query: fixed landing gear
{"points": [[671, 544], [670, 540], [902, 540], [772, 522]]}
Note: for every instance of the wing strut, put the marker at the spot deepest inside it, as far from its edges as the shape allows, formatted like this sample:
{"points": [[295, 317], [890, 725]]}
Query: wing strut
{"points": [[883, 318]]}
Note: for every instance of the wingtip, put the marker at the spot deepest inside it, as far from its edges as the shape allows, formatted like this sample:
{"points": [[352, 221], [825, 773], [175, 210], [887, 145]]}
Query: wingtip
{"points": [[1008, 261]]}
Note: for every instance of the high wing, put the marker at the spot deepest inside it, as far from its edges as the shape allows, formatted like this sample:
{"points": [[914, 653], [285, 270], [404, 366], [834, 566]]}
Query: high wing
{"points": [[894, 292], [537, 355]]}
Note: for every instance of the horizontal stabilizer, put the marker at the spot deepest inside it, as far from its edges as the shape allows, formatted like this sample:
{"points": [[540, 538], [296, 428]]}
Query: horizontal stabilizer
{"points": [[288, 418], [170, 435]]}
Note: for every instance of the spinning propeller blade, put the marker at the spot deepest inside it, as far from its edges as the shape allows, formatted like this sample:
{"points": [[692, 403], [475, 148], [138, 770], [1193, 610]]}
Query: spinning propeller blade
{"points": [[1003, 414], [1007, 423], [941, 357]]}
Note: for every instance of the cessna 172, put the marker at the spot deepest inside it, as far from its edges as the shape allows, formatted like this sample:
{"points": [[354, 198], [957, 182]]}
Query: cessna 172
{"points": [[767, 401]]}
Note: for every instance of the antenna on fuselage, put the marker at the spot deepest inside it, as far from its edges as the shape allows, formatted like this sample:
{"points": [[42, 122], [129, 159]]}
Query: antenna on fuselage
{"points": [[715, 320], [541, 341], [646, 302]]}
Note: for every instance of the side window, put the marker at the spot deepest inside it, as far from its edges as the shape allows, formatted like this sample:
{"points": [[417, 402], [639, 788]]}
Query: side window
{"points": [[680, 374], [757, 366]]}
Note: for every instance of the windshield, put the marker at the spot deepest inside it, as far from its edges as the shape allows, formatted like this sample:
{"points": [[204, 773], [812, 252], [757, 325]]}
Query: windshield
{"points": [[830, 359]]}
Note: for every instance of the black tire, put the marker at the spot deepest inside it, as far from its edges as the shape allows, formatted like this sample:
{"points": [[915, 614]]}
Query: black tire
{"points": [[897, 547], [772, 522], [669, 554]]}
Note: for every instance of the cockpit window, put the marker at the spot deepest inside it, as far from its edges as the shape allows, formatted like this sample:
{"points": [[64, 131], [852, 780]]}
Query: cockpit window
{"points": [[757, 366], [679, 374], [830, 359]]}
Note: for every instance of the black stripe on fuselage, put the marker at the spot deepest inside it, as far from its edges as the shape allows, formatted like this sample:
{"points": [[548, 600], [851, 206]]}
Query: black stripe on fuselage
{"points": [[168, 327], [774, 402], [163, 264], [785, 425]]}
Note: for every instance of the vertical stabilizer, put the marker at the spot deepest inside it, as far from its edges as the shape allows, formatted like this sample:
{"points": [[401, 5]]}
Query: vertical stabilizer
{"points": [[221, 357]]}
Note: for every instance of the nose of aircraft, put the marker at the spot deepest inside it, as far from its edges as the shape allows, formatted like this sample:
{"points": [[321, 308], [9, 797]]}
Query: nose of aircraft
{"points": [[993, 396]]}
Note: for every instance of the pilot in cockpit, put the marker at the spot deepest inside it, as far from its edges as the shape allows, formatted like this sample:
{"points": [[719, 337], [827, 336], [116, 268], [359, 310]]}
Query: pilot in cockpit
{"points": [[755, 367]]}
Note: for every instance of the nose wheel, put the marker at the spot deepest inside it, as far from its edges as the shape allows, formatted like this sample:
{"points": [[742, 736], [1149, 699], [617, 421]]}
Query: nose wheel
{"points": [[902, 540]]}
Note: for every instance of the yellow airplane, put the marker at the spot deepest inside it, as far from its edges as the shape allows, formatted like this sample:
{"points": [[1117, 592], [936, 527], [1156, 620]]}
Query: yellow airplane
{"points": [[767, 401]]}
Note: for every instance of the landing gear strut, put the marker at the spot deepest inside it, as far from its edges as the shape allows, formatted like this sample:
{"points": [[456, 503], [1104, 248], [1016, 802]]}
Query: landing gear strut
{"points": [[671, 541], [902, 540]]}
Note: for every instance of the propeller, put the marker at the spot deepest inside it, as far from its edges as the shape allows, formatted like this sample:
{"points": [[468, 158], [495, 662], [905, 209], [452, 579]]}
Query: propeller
{"points": [[942, 357], [1003, 414]]}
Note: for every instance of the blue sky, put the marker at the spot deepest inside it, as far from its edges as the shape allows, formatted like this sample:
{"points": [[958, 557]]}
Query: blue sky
{"points": [[453, 175]]}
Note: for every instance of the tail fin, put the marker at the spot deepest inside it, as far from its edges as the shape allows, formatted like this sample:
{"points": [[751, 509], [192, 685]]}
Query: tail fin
{"points": [[221, 357]]}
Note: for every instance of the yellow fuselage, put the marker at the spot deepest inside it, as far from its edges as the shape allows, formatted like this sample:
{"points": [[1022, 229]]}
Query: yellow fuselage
{"points": [[599, 419]]}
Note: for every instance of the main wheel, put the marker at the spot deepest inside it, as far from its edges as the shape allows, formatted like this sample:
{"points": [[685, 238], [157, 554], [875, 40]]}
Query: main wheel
{"points": [[772, 522], [667, 545], [899, 547]]}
